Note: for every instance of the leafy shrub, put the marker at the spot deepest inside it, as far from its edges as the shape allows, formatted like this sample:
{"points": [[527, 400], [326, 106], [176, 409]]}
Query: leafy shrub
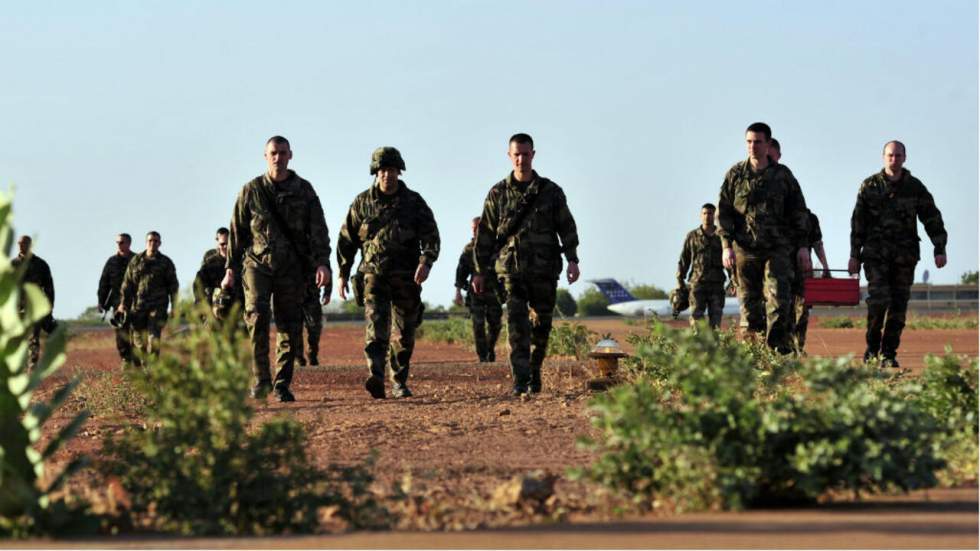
{"points": [[196, 469], [647, 292], [571, 339], [949, 393], [913, 322], [839, 322], [565, 304], [702, 426], [593, 303], [449, 331], [27, 507]]}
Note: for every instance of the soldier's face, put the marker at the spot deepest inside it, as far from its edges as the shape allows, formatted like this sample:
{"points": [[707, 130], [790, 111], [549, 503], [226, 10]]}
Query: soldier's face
{"points": [[122, 244], [894, 157], [388, 178], [24, 245], [521, 156], [277, 157], [707, 217], [152, 244], [757, 145], [222, 241]]}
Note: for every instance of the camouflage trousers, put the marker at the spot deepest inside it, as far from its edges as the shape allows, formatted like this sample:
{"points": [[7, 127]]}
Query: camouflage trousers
{"points": [[708, 298], [281, 292], [146, 326], [889, 288], [485, 313], [764, 287], [799, 318], [312, 321], [124, 342], [530, 308], [34, 347], [384, 294]]}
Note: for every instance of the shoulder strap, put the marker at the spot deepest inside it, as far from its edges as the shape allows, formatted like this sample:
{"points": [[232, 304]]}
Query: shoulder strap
{"points": [[515, 220], [270, 203]]}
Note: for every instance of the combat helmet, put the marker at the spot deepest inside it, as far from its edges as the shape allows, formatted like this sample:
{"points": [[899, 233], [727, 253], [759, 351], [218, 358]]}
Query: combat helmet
{"points": [[386, 157], [221, 302]]}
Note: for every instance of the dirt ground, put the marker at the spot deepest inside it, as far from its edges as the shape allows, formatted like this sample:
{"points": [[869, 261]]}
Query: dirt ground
{"points": [[463, 435]]}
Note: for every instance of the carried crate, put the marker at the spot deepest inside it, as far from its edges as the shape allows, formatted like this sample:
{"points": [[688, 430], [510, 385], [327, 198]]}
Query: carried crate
{"points": [[832, 291]]}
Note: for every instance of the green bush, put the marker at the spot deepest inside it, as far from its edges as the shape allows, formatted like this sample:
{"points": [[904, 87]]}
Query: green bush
{"points": [[913, 322], [197, 469], [450, 331], [647, 292], [27, 506], [571, 339], [593, 303], [709, 423], [839, 322], [949, 393]]}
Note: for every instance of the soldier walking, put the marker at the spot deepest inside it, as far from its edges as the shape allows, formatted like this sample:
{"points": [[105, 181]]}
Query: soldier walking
{"points": [[37, 272], [396, 234], [524, 217], [149, 286], [485, 309], [212, 272], [277, 237], [800, 315], [701, 256], [884, 237], [762, 219], [110, 293]]}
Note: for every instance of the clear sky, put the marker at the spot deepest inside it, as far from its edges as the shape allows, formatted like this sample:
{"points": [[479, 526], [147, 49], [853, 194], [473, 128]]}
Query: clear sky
{"points": [[132, 116]]}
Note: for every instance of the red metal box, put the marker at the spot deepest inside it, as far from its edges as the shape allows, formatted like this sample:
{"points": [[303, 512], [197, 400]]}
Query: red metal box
{"points": [[832, 291]]}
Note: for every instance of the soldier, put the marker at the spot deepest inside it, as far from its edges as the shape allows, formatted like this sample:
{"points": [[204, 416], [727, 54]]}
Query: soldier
{"points": [[38, 273], [212, 271], [395, 232], [799, 317], [524, 216], [701, 255], [884, 237], [110, 291], [485, 309], [312, 320], [762, 219], [278, 236], [149, 285]]}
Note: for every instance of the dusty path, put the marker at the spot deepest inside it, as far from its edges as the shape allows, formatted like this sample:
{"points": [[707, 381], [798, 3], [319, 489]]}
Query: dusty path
{"points": [[462, 435]]}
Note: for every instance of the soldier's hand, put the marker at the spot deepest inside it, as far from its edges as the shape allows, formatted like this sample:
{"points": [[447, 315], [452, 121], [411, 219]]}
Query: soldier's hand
{"points": [[940, 260], [229, 280], [322, 276], [572, 272], [477, 284], [728, 258], [421, 273], [342, 291], [803, 260], [853, 266], [101, 309], [458, 301]]}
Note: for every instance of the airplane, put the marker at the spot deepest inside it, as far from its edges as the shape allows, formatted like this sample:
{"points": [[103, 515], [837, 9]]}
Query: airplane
{"points": [[622, 302]]}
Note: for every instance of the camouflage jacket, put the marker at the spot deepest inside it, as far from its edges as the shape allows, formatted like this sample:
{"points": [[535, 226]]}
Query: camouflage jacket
{"points": [[883, 222], [702, 256], [533, 249], [464, 269], [209, 277], [38, 273], [395, 233], [814, 235], [149, 283], [762, 210], [255, 237], [110, 283]]}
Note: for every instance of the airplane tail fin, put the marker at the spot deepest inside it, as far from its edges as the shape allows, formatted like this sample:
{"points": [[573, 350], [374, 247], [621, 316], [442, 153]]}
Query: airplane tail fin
{"points": [[612, 290]]}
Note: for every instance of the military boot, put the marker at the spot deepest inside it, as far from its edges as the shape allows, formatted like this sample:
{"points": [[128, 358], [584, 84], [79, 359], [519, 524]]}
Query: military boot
{"points": [[300, 360], [376, 387], [535, 385], [260, 390], [400, 390], [283, 394], [313, 360]]}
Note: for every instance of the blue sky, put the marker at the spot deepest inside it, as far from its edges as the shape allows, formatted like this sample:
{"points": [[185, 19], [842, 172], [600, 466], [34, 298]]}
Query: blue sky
{"points": [[132, 116]]}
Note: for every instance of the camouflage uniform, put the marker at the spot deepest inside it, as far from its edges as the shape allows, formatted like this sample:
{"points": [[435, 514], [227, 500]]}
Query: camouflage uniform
{"points": [[800, 317], [528, 263], [485, 309], [149, 286], [209, 277], [702, 256], [763, 215], [394, 233], [884, 237], [274, 268], [312, 321], [110, 287], [38, 273]]}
